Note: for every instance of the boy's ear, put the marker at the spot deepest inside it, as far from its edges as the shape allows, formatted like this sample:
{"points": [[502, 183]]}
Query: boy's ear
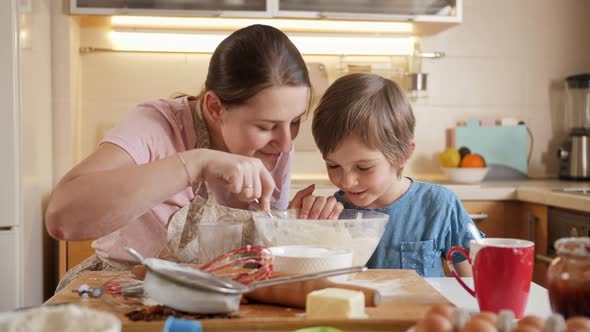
{"points": [[212, 105], [406, 158], [411, 150]]}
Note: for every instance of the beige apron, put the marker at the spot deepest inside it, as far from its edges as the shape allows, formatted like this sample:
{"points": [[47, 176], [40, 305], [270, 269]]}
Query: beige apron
{"points": [[182, 241], [182, 244]]}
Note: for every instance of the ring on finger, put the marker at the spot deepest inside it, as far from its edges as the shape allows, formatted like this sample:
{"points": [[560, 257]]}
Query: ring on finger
{"points": [[248, 186]]}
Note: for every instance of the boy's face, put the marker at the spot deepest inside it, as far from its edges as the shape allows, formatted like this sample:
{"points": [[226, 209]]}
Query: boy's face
{"points": [[367, 178]]}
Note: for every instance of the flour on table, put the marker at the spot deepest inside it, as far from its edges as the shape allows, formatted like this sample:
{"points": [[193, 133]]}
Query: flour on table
{"points": [[386, 287]]}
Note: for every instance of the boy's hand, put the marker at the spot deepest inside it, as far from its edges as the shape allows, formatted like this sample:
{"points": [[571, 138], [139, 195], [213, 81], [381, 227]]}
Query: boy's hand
{"points": [[315, 207]]}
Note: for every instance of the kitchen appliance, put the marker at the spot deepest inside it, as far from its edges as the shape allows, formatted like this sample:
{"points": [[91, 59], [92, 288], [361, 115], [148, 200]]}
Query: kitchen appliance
{"points": [[565, 223], [574, 154], [10, 230], [26, 170]]}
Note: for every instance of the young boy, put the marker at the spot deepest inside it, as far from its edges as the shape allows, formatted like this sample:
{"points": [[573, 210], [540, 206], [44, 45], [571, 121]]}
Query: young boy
{"points": [[364, 127]]}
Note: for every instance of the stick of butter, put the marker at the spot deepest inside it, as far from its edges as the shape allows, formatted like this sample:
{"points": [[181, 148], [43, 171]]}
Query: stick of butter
{"points": [[335, 303]]}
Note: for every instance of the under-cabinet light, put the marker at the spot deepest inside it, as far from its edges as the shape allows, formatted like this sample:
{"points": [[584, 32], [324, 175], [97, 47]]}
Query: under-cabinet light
{"points": [[287, 25], [307, 44]]}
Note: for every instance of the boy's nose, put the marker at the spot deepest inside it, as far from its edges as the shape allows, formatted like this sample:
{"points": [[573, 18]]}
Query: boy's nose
{"points": [[348, 180]]}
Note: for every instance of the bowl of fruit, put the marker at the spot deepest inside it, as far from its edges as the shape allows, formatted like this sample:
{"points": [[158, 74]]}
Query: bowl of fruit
{"points": [[463, 166]]}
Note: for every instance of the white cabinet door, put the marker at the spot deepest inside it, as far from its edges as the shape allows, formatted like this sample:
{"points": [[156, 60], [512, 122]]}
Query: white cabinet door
{"points": [[243, 8], [8, 272], [396, 10], [8, 115], [432, 11]]}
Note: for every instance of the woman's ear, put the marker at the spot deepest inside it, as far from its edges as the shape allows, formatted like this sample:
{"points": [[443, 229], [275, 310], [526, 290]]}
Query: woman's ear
{"points": [[212, 106]]}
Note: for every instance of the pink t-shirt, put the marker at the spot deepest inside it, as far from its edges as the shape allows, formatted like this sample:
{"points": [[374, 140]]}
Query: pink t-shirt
{"points": [[156, 130]]}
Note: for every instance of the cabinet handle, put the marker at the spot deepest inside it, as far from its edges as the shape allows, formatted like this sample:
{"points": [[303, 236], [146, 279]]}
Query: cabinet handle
{"points": [[544, 259], [477, 217], [531, 220]]}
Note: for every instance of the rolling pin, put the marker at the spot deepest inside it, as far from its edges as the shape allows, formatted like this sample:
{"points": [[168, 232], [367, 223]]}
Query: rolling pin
{"points": [[294, 294]]}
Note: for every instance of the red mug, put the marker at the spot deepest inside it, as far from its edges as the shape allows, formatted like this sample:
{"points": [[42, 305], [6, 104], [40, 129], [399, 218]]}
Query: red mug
{"points": [[502, 273]]}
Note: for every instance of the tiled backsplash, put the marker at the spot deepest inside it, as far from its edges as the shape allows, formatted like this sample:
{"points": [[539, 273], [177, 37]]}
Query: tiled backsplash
{"points": [[505, 60]]}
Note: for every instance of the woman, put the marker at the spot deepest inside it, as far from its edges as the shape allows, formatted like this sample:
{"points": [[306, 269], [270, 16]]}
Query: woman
{"points": [[230, 145]]}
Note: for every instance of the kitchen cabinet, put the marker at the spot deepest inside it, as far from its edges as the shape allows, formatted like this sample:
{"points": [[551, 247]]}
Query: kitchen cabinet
{"points": [[427, 11], [398, 10], [488, 216], [536, 215], [203, 8], [71, 253], [499, 218]]}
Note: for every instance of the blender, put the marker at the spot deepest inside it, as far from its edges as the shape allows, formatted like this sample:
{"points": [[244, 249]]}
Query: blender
{"points": [[574, 154]]}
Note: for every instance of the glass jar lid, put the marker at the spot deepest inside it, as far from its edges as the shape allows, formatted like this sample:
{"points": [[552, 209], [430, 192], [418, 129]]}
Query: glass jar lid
{"points": [[577, 246]]}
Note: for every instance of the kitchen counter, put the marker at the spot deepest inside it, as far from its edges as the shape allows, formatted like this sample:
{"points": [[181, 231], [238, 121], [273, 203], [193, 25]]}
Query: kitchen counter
{"points": [[540, 191], [406, 297]]}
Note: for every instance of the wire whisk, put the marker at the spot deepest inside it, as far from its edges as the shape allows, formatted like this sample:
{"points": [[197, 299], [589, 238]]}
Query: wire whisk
{"points": [[245, 265]]}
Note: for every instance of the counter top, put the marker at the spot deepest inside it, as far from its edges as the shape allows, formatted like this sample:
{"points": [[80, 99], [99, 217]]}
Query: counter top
{"points": [[540, 191], [406, 297]]}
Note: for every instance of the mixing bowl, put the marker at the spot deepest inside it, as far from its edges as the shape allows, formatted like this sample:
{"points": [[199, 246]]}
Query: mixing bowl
{"points": [[357, 230]]}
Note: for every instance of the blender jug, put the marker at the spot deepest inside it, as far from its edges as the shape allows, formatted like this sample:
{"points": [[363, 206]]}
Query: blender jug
{"points": [[574, 154], [578, 99]]}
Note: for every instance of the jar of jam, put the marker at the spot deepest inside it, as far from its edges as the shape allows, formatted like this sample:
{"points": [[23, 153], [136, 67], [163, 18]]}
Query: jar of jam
{"points": [[568, 277]]}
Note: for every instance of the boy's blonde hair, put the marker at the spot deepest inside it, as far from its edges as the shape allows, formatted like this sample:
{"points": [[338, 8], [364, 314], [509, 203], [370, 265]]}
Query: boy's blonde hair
{"points": [[370, 107]]}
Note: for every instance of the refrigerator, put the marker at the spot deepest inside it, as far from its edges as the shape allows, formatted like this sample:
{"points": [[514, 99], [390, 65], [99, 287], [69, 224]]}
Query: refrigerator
{"points": [[10, 164], [25, 150]]}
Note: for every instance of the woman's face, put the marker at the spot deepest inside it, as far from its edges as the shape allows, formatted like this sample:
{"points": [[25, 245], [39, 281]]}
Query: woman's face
{"points": [[266, 125]]}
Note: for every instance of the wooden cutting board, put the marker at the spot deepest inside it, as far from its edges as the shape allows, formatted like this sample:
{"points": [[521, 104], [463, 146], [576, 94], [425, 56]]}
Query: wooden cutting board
{"points": [[405, 299]]}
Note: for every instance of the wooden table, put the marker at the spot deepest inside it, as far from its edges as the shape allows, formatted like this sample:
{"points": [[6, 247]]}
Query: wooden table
{"points": [[405, 299]]}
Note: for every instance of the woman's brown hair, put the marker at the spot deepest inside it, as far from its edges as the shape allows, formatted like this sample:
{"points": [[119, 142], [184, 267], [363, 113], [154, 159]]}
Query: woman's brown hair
{"points": [[372, 108], [252, 59]]}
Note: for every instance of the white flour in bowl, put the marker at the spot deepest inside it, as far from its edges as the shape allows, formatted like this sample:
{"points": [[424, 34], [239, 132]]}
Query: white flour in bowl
{"points": [[63, 318], [362, 249]]}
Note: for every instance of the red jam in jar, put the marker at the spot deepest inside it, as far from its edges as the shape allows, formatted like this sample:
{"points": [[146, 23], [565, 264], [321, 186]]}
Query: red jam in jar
{"points": [[569, 277]]}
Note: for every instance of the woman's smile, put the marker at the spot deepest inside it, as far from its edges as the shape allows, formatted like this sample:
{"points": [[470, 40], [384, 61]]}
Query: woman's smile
{"points": [[270, 155]]}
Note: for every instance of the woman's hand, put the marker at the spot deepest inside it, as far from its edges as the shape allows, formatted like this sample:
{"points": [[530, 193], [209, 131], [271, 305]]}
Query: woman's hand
{"points": [[315, 207], [244, 176]]}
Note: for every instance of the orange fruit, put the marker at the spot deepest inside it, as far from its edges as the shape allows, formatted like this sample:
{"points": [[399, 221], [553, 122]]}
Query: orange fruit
{"points": [[472, 160]]}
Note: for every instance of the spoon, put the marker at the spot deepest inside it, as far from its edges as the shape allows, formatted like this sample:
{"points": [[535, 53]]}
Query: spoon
{"points": [[473, 230], [267, 212]]}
